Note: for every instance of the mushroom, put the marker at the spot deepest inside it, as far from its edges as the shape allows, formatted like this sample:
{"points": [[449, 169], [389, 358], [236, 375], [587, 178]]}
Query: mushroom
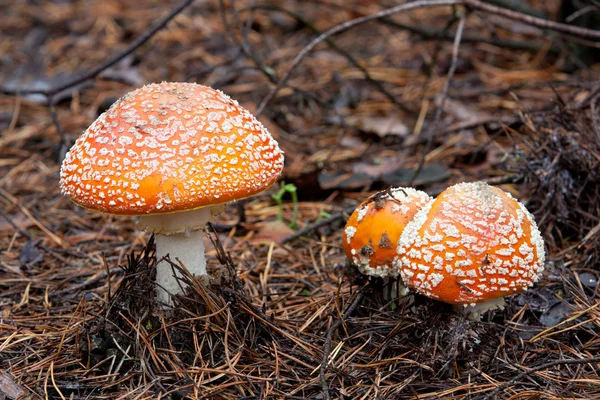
{"points": [[374, 228], [171, 153], [471, 246]]}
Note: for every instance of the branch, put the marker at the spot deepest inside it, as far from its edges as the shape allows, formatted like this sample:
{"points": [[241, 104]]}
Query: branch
{"points": [[316, 225], [107, 64], [517, 5], [535, 21], [377, 84], [344, 27], [474, 4], [438, 113], [427, 34]]}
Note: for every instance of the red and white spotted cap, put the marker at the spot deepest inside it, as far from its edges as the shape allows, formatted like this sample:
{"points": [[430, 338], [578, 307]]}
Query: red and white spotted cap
{"points": [[474, 243], [170, 147]]}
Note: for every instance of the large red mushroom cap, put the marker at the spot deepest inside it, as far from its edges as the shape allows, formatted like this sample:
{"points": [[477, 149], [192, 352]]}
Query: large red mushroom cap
{"points": [[170, 147], [474, 243], [372, 231]]}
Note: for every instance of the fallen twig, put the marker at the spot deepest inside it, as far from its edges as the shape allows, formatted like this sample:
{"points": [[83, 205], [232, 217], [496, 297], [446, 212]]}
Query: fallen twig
{"points": [[534, 21], [440, 109], [152, 30], [311, 227], [475, 4], [377, 84], [342, 28]]}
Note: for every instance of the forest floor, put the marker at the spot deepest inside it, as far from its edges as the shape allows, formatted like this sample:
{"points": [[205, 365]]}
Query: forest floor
{"points": [[397, 101]]}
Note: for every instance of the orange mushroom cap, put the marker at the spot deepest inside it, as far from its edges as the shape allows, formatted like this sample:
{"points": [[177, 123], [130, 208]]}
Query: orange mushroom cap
{"points": [[373, 229], [472, 244], [170, 147]]}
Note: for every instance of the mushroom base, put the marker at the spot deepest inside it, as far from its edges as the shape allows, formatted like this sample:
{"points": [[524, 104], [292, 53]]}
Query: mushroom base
{"points": [[181, 237], [475, 311]]}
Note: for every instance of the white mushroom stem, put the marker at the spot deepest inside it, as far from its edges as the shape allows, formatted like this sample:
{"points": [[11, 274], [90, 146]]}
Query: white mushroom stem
{"points": [[187, 248], [474, 312], [181, 237], [393, 288]]}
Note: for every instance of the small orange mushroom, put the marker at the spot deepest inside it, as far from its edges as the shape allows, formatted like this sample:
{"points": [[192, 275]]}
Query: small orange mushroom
{"points": [[372, 231], [475, 243]]}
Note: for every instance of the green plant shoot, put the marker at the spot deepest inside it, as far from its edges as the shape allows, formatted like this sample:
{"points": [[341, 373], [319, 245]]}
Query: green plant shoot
{"points": [[278, 197]]}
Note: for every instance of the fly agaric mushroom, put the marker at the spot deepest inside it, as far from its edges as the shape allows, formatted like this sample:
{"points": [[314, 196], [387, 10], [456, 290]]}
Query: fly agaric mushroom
{"points": [[372, 232], [171, 153], [474, 244]]}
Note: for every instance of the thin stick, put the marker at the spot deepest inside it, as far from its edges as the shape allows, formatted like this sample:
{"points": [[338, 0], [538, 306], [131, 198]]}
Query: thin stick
{"points": [[438, 113], [311, 227], [107, 64], [474, 4], [344, 27], [535, 21], [595, 117]]}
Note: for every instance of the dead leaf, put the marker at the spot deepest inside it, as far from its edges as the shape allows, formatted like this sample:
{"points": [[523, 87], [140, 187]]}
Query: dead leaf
{"points": [[389, 172], [381, 126], [351, 142], [125, 71], [430, 173], [9, 388], [588, 279], [30, 255], [555, 315], [385, 166], [462, 111], [18, 219], [273, 231], [337, 180]]}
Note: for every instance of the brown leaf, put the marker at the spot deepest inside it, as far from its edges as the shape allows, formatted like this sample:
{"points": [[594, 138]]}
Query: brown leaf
{"points": [[462, 111], [382, 126], [273, 231], [351, 142], [386, 166], [430, 173], [9, 388], [344, 180]]}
